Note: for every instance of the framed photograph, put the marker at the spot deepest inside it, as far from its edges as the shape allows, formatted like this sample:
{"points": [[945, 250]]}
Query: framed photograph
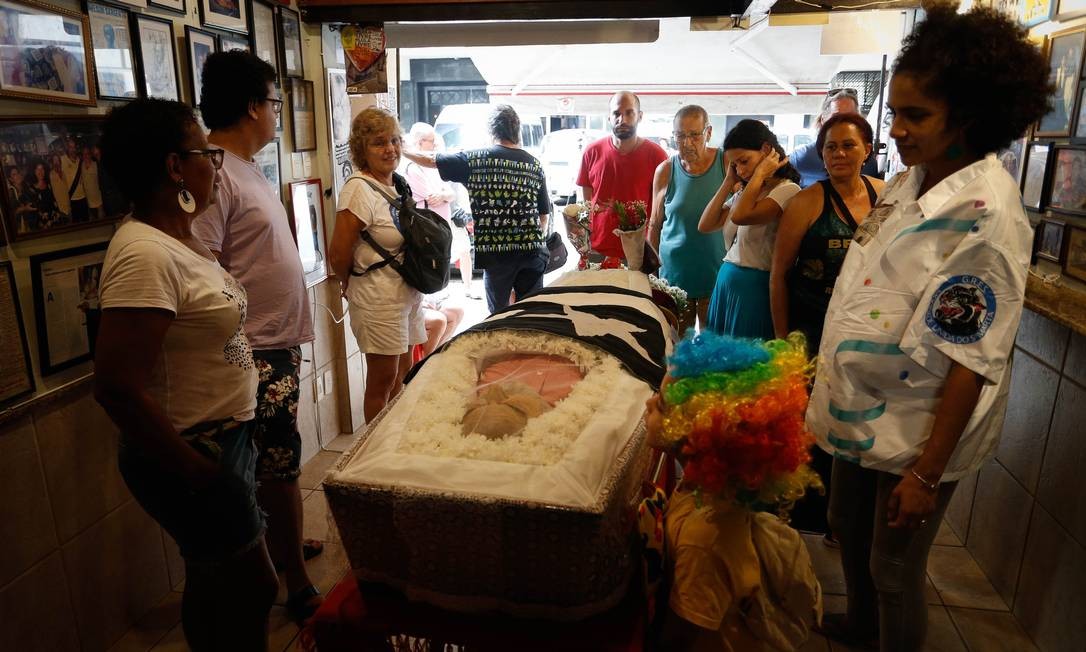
{"points": [[308, 226], [142, 4], [201, 45], [114, 59], [1035, 12], [267, 160], [159, 76], [170, 5], [45, 53], [52, 180], [66, 307], [1079, 134], [1064, 69], [290, 43], [339, 124], [1067, 192], [1074, 263], [1013, 159], [303, 119], [16, 374], [1050, 239], [229, 42], [1034, 177], [225, 14], [1070, 9], [262, 31]]}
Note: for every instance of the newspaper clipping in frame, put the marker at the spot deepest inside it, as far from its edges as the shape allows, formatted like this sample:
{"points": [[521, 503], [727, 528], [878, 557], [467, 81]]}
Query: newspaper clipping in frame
{"points": [[364, 47]]}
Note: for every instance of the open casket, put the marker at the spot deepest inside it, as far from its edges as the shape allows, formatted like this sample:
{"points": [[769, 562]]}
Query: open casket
{"points": [[536, 524]]}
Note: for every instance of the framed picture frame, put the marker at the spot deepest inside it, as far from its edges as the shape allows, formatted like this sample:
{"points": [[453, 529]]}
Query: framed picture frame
{"points": [[1074, 260], [229, 42], [177, 6], [54, 62], [1034, 176], [232, 15], [303, 118], [1067, 187], [16, 373], [1065, 52], [1070, 9], [290, 43], [307, 222], [1050, 238], [1013, 159], [114, 52], [158, 70], [66, 307], [339, 127], [1035, 12], [267, 160], [1079, 134], [262, 31], [53, 182], [199, 45]]}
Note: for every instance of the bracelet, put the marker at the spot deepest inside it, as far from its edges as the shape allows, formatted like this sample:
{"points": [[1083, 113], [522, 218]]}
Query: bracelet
{"points": [[930, 486]]}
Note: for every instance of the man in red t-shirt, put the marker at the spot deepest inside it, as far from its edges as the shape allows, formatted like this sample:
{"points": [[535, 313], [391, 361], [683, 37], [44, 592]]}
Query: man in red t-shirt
{"points": [[619, 167]]}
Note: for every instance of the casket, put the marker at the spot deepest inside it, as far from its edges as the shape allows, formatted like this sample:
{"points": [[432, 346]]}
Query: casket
{"points": [[540, 525]]}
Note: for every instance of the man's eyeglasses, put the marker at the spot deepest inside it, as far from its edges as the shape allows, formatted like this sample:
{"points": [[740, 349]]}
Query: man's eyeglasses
{"points": [[215, 155], [277, 104], [693, 135]]}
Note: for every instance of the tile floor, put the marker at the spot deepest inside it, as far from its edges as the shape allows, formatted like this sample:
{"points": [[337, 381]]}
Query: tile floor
{"points": [[965, 612]]}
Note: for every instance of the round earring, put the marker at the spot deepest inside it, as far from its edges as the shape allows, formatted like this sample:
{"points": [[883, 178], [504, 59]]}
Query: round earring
{"points": [[186, 200]]}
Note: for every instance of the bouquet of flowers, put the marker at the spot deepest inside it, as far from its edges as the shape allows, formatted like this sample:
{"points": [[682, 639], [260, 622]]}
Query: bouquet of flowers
{"points": [[677, 294], [633, 219], [578, 218]]}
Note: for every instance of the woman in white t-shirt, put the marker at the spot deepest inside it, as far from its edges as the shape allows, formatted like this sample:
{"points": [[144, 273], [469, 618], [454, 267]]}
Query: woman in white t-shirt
{"points": [[386, 313], [174, 371], [748, 206]]}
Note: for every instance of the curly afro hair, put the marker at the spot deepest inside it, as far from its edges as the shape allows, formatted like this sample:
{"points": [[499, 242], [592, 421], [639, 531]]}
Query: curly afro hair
{"points": [[136, 139], [994, 81]]}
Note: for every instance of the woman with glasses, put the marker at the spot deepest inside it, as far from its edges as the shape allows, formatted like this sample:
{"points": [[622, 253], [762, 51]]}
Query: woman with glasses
{"points": [[387, 316], [174, 371], [759, 184], [918, 335]]}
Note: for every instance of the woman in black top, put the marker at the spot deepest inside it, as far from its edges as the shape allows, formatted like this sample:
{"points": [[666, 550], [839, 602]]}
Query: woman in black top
{"points": [[816, 229]]}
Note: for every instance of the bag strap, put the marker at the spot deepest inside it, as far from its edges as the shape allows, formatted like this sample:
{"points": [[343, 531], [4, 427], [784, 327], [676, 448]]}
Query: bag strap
{"points": [[387, 258], [839, 203], [75, 181]]}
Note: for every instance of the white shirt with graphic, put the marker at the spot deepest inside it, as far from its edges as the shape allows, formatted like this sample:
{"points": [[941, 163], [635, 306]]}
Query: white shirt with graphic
{"points": [[205, 369], [926, 282]]}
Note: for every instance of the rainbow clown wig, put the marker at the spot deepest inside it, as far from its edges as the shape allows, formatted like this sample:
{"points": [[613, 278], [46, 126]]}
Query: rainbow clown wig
{"points": [[735, 410]]}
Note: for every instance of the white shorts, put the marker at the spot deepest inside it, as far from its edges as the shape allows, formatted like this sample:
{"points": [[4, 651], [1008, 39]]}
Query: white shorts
{"points": [[460, 241], [388, 330]]}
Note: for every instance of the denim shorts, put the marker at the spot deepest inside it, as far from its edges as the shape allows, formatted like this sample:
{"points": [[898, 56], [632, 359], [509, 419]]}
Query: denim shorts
{"points": [[216, 523]]}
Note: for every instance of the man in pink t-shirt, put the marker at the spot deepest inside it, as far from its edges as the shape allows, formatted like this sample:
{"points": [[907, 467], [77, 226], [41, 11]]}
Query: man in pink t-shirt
{"points": [[619, 167]]}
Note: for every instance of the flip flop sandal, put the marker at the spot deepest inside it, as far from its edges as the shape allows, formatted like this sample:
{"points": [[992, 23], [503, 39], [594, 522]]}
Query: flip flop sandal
{"points": [[836, 627], [300, 604]]}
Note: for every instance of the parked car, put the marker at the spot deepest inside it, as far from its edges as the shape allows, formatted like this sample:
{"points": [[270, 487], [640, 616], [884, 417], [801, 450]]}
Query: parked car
{"points": [[561, 159]]}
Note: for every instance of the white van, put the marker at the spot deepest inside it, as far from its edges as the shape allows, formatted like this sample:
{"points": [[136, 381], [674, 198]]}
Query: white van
{"points": [[463, 126]]}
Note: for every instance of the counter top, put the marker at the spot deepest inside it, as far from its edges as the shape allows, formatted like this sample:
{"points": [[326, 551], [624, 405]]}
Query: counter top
{"points": [[1062, 305]]}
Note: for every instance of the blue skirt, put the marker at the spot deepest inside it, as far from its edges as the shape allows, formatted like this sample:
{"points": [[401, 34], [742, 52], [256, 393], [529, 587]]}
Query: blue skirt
{"points": [[740, 303]]}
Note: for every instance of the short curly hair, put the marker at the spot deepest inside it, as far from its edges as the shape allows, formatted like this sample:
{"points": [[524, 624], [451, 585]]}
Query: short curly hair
{"points": [[994, 81], [368, 123], [504, 123], [231, 81], [137, 138], [861, 124]]}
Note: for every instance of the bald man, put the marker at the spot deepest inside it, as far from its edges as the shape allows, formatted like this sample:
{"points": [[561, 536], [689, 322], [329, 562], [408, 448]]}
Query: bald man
{"points": [[805, 158], [619, 167]]}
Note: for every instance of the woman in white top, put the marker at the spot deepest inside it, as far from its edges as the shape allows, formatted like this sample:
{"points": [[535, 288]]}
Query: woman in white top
{"points": [[174, 371], [386, 313], [759, 184], [913, 386]]}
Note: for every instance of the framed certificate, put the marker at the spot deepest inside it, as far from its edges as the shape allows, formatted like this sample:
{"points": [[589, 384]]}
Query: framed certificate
{"points": [[66, 307], [16, 375]]}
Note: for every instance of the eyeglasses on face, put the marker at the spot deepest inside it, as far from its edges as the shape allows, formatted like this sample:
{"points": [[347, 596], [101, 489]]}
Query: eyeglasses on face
{"points": [[695, 136], [215, 155], [277, 104], [851, 92]]}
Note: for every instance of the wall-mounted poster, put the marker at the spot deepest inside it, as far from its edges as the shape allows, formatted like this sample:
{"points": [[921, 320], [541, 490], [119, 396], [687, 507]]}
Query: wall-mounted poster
{"points": [[303, 122], [308, 212], [201, 45], [262, 31], [1035, 12], [1033, 182], [364, 51], [16, 376], [1074, 264], [1064, 69], [45, 53], [157, 58], [114, 60], [1067, 192], [339, 110], [66, 306], [290, 43], [52, 178], [229, 42], [225, 14], [267, 160]]}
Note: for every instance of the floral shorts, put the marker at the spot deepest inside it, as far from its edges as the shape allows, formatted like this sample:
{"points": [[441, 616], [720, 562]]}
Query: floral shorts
{"points": [[277, 440]]}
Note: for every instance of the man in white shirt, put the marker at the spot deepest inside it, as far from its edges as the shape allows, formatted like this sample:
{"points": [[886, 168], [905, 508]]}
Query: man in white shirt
{"points": [[71, 165]]}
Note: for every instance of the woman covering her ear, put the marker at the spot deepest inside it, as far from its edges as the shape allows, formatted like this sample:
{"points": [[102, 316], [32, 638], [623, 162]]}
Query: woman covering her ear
{"points": [[759, 184]]}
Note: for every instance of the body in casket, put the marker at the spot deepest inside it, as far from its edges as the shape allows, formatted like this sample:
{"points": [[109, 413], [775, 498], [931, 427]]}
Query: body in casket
{"points": [[538, 523]]}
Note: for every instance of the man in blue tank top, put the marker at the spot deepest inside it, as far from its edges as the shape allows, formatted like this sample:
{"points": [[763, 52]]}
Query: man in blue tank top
{"points": [[681, 188]]}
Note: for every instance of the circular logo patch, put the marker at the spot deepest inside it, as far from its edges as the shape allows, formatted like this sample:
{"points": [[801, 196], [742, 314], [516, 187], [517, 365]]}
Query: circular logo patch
{"points": [[962, 309]]}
